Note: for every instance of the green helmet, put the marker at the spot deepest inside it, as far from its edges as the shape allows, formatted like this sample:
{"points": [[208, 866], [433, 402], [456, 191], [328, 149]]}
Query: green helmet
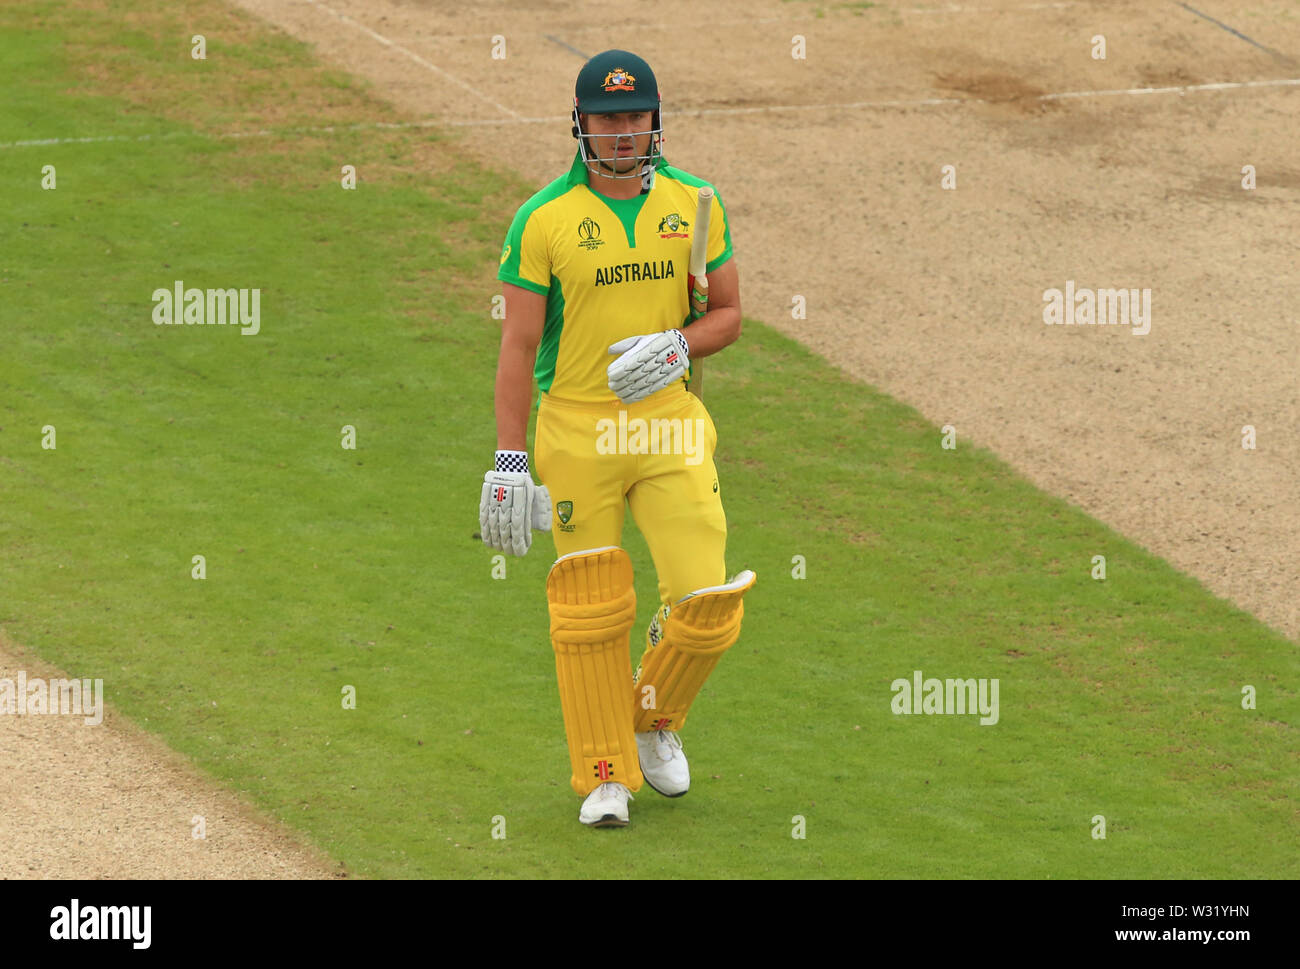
{"points": [[613, 82]]}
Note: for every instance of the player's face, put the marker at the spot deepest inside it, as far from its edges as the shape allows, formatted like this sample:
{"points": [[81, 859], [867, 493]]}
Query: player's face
{"points": [[615, 139]]}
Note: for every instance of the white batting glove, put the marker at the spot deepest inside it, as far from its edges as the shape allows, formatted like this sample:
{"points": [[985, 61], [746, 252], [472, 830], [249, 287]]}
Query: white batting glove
{"points": [[647, 364], [511, 505]]}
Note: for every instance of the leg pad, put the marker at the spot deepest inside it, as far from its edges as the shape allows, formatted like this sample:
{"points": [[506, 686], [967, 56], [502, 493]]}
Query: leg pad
{"points": [[683, 646], [592, 605]]}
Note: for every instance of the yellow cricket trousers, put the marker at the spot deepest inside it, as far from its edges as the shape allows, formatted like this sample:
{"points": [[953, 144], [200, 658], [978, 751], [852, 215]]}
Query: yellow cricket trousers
{"points": [[655, 454]]}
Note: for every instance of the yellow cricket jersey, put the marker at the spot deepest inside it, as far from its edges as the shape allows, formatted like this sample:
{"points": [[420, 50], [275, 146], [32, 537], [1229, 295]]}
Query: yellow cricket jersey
{"points": [[609, 268]]}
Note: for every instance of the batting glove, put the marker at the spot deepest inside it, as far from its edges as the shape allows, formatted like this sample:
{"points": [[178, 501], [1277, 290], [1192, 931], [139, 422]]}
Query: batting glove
{"points": [[648, 364], [511, 506]]}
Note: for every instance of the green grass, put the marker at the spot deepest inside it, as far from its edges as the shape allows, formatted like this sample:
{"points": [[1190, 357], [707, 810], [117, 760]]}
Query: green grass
{"points": [[328, 567]]}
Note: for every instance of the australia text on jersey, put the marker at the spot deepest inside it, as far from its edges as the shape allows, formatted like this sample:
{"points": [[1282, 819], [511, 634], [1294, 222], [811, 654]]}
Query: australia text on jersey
{"points": [[634, 272]]}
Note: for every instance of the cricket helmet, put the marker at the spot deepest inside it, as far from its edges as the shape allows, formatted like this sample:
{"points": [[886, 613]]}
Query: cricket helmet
{"points": [[613, 82]]}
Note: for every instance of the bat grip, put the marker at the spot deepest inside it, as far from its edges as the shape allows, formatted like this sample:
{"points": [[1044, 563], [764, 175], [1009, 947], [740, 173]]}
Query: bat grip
{"points": [[699, 297]]}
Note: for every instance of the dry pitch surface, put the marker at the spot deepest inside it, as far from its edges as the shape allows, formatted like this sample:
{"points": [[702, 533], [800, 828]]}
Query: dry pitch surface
{"points": [[1122, 172], [1067, 168]]}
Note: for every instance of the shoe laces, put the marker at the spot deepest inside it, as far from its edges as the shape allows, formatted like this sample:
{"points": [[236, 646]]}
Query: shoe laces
{"points": [[669, 739], [613, 789]]}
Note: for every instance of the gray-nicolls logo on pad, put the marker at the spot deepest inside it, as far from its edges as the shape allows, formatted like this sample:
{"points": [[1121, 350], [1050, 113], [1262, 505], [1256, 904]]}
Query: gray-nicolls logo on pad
{"points": [[102, 923]]}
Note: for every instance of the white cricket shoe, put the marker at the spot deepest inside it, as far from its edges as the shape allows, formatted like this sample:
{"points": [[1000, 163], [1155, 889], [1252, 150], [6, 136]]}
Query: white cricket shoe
{"points": [[662, 762], [606, 806]]}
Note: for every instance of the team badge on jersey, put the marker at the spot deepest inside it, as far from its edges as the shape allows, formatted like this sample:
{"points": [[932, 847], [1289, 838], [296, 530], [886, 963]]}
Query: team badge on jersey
{"points": [[564, 511], [589, 234], [670, 227], [619, 80]]}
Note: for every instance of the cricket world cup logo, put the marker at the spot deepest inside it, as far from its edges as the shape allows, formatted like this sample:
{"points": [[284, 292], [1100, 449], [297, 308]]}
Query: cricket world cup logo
{"points": [[589, 234]]}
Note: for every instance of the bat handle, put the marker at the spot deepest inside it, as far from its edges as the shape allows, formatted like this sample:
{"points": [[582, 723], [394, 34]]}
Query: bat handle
{"points": [[700, 297]]}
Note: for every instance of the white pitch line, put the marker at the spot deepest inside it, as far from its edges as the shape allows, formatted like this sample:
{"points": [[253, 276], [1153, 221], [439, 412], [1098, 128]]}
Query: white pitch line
{"points": [[957, 8], [1181, 89], [263, 133], [552, 119], [931, 102], [585, 29], [576, 29], [35, 142], [412, 55]]}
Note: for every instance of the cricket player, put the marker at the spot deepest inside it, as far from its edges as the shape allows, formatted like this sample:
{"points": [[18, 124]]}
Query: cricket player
{"points": [[594, 272]]}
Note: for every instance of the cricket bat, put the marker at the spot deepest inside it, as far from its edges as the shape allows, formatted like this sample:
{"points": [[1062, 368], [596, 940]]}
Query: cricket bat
{"points": [[698, 282]]}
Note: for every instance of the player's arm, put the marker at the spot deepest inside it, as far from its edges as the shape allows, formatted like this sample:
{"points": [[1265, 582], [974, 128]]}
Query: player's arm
{"points": [[649, 363], [511, 504], [520, 333], [720, 326]]}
